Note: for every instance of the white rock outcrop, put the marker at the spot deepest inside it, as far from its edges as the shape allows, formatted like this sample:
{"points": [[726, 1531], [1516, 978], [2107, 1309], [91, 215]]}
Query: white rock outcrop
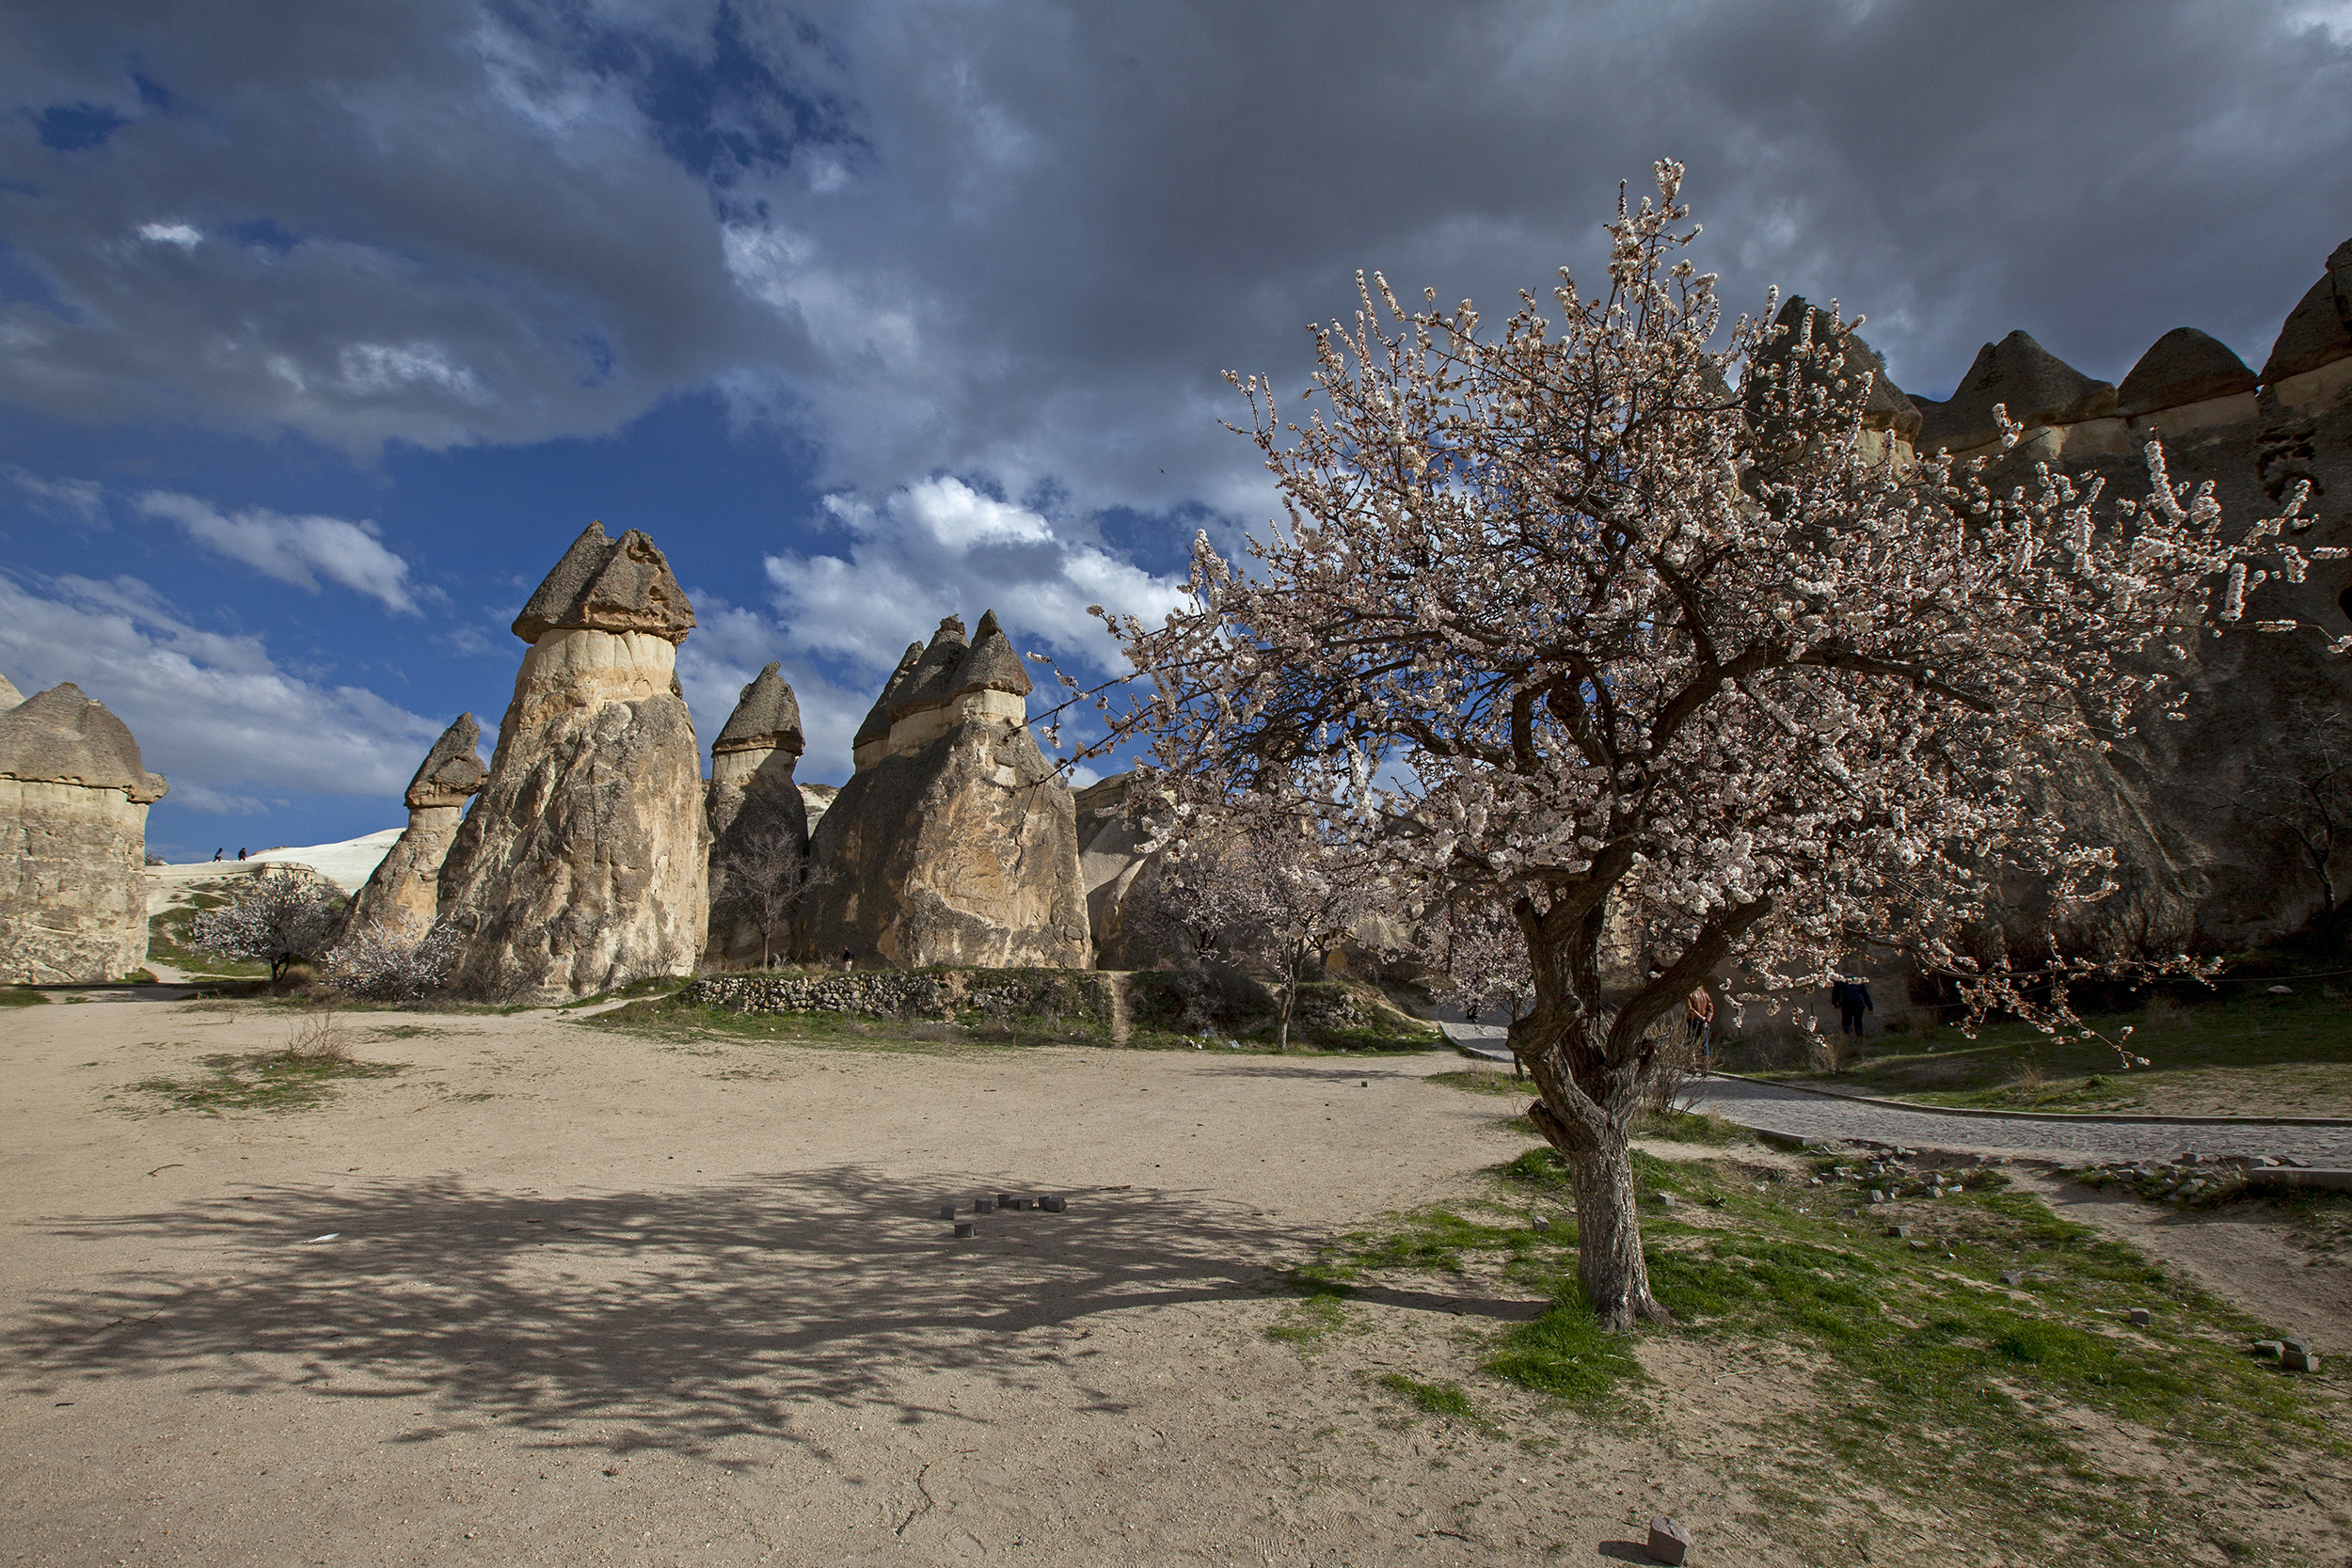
{"points": [[584, 862], [73, 799], [758, 825]]}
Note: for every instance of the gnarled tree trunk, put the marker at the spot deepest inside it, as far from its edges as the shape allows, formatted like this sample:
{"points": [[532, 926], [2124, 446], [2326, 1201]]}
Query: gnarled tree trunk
{"points": [[1609, 1259]]}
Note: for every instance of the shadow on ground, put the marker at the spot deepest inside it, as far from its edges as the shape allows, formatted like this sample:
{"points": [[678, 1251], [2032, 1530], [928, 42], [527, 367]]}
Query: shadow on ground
{"points": [[679, 1319]]}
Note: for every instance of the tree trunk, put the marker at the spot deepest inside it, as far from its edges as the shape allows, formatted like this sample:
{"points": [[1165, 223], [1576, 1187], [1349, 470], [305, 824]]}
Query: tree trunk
{"points": [[1282, 1030], [1609, 1259]]}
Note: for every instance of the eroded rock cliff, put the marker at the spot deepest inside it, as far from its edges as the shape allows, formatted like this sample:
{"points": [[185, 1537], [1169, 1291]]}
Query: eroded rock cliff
{"points": [[403, 892], [955, 843], [584, 862], [73, 799], [758, 825]]}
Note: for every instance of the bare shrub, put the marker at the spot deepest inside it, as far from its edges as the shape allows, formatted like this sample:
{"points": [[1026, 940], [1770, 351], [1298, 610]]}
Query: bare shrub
{"points": [[2163, 1013], [318, 1037]]}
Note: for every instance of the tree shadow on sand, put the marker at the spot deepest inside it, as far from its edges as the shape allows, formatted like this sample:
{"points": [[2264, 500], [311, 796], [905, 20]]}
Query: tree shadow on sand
{"points": [[677, 1318]]}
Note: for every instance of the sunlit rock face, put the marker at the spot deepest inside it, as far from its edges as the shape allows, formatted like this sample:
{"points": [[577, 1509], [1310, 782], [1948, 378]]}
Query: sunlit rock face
{"points": [[73, 799], [757, 815], [2195, 867], [404, 894], [955, 842], [583, 864]]}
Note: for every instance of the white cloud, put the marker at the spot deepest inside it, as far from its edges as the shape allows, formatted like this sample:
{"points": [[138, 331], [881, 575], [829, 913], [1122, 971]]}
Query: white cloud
{"points": [[377, 368], [80, 501], [212, 713], [299, 550], [728, 646], [940, 548], [185, 236]]}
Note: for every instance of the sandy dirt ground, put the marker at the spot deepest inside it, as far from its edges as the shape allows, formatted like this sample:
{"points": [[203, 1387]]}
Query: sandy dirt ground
{"points": [[560, 1294]]}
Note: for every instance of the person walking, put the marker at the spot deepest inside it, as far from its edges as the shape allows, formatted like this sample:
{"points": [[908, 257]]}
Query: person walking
{"points": [[1698, 1017], [1851, 996], [849, 959]]}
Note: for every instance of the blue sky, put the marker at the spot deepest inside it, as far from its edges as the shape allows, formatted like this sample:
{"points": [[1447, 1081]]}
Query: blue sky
{"points": [[323, 329]]}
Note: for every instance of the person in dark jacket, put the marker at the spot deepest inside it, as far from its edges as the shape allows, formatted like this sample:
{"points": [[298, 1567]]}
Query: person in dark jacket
{"points": [[1851, 996]]}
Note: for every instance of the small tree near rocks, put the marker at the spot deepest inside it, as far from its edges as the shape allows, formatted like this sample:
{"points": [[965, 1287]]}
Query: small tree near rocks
{"points": [[764, 876], [1257, 884], [406, 961], [285, 918]]}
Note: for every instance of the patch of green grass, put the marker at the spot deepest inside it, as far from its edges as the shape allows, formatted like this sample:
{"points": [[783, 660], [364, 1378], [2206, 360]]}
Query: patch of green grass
{"points": [[1483, 1081], [1933, 1378], [169, 934], [1309, 1322], [22, 996], [1566, 1354], [2239, 1042], [263, 1081], [666, 1018], [1435, 1398]]}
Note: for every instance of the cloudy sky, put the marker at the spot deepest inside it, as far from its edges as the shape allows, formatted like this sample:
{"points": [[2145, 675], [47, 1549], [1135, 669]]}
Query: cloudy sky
{"points": [[325, 327]]}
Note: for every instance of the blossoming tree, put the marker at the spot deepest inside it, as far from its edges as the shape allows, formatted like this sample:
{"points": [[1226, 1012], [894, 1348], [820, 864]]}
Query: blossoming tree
{"points": [[1694, 681]]}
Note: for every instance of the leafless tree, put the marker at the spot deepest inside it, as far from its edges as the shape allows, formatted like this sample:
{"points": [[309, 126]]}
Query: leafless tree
{"points": [[764, 876]]}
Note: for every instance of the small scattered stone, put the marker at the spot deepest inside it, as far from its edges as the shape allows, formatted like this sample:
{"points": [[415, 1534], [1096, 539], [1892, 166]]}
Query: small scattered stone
{"points": [[1363, 1083], [963, 1229], [1669, 1542], [1052, 1205], [2296, 1360], [1877, 1197], [2012, 1278], [948, 1211], [2140, 1317], [984, 1206], [2269, 1350], [1902, 1231], [1539, 1223], [1008, 1201], [1665, 1200]]}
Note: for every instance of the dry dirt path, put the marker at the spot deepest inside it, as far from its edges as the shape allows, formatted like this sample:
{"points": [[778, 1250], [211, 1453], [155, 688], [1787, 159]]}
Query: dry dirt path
{"points": [[555, 1294]]}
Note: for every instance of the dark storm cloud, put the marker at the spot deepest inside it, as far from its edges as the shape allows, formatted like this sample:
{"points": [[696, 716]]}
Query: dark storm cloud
{"points": [[1018, 242]]}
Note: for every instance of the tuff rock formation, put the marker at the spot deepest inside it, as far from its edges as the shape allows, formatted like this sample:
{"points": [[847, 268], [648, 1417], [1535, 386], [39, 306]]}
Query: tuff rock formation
{"points": [[73, 799], [1890, 421], [584, 862], [954, 842], [404, 892], [2196, 869], [758, 823]]}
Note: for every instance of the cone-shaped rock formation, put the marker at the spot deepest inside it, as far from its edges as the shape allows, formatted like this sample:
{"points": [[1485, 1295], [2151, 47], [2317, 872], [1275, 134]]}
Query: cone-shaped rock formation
{"points": [[2318, 331], [758, 825], [584, 862], [73, 799], [2036, 387], [954, 842], [2184, 366], [404, 892]]}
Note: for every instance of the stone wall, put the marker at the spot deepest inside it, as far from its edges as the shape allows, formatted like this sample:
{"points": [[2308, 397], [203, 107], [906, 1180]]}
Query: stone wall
{"points": [[917, 994]]}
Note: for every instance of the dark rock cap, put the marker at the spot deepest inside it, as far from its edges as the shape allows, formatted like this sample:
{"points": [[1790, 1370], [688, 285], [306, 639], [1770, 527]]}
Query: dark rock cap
{"points": [[2318, 331], [2183, 366], [2037, 386], [932, 680], [767, 718], [1884, 407], [603, 584], [451, 771], [877, 726], [992, 665], [61, 736]]}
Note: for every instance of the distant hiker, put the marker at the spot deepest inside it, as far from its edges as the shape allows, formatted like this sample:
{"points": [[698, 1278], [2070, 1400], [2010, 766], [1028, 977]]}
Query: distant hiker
{"points": [[1851, 996], [220, 853], [240, 853], [1698, 1016], [848, 959]]}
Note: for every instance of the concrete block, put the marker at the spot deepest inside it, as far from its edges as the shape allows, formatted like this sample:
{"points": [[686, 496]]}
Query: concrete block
{"points": [[985, 1205], [1052, 1205], [963, 1229], [946, 1210], [2140, 1317]]}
